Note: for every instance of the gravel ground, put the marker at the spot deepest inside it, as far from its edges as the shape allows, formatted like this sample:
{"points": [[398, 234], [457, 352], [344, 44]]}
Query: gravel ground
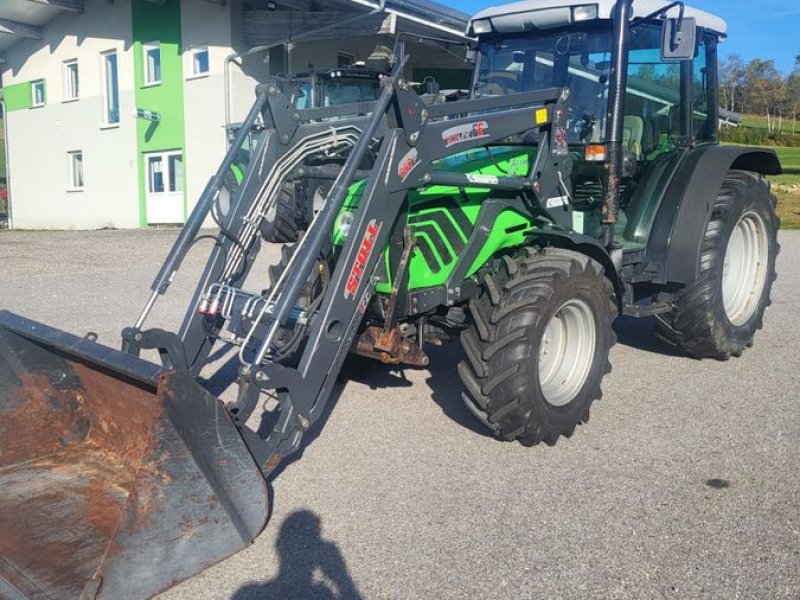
{"points": [[684, 484]]}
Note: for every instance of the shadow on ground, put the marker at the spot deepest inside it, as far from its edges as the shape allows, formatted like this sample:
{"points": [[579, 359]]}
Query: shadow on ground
{"points": [[310, 567], [443, 381], [639, 334]]}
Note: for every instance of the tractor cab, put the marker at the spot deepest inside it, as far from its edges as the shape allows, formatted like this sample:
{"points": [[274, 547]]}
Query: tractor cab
{"points": [[335, 87], [664, 103]]}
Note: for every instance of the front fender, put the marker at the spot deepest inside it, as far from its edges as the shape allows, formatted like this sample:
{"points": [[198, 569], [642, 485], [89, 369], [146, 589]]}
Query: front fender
{"points": [[570, 240]]}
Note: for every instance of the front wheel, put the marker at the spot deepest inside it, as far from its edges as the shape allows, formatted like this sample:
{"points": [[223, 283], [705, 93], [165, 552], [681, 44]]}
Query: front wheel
{"points": [[538, 346], [718, 316]]}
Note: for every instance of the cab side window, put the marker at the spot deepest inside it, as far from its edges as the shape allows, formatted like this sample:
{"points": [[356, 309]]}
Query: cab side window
{"points": [[653, 99], [704, 120]]}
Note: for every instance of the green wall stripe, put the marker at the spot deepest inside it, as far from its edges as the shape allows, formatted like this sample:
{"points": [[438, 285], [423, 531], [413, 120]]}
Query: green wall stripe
{"points": [[162, 23], [18, 96]]}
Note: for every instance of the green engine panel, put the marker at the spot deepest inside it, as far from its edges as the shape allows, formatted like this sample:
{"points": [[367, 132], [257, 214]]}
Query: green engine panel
{"points": [[443, 218]]}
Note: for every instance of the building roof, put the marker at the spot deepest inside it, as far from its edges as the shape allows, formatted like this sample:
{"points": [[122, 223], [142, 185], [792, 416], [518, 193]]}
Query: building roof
{"points": [[292, 19], [23, 19], [432, 12], [641, 8]]}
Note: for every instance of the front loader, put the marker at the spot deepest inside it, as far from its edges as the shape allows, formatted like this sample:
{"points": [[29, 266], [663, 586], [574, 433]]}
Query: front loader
{"points": [[581, 181]]}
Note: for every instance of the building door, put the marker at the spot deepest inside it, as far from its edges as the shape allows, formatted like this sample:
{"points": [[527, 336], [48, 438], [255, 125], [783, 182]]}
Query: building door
{"points": [[164, 180]]}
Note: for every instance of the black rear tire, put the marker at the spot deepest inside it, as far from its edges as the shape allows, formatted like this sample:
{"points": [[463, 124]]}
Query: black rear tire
{"points": [[501, 374], [700, 325], [283, 226]]}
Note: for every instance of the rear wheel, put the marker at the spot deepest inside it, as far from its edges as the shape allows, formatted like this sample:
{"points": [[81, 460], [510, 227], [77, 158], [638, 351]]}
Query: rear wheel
{"points": [[718, 316], [538, 345], [280, 225]]}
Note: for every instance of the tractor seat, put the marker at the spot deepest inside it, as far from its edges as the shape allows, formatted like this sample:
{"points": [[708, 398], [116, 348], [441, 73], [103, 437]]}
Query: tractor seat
{"points": [[632, 133]]}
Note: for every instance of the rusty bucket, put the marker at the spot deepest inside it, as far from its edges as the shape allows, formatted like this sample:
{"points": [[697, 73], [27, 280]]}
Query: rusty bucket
{"points": [[117, 479]]}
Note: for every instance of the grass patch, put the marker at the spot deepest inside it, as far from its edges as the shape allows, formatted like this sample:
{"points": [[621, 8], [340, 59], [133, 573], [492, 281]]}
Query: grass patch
{"points": [[788, 201], [760, 122], [756, 121], [790, 159], [789, 210]]}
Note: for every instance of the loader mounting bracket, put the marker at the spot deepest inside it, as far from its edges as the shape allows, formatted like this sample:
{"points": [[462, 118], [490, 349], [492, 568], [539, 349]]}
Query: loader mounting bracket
{"points": [[169, 346]]}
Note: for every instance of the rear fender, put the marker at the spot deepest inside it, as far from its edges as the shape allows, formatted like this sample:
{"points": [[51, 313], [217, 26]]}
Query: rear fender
{"points": [[676, 239]]}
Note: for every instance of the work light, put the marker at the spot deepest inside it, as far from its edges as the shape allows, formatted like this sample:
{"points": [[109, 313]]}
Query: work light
{"points": [[482, 26], [584, 13]]}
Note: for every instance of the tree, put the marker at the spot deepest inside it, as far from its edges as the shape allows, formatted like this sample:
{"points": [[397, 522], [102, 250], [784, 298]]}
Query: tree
{"points": [[765, 92], [731, 82], [793, 92]]}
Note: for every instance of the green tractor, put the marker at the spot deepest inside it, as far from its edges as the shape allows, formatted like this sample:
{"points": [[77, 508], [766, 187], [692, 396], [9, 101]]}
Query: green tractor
{"points": [[581, 181]]}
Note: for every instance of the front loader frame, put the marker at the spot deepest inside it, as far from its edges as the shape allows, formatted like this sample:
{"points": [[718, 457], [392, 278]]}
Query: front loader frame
{"points": [[411, 136]]}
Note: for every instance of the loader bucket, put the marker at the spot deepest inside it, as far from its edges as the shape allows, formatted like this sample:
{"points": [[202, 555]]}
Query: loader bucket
{"points": [[117, 479]]}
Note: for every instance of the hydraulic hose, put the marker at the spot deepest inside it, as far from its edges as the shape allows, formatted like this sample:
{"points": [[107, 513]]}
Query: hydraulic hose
{"points": [[198, 215], [323, 224]]}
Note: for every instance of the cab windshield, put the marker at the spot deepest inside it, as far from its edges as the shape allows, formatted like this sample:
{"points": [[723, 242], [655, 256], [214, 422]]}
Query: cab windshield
{"points": [[581, 61], [341, 90], [578, 59]]}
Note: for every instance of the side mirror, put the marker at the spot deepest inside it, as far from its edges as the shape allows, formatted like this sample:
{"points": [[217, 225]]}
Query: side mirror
{"points": [[678, 39]]}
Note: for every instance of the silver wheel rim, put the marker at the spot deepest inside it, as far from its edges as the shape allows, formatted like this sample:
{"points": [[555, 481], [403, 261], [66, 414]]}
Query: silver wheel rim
{"points": [[744, 270], [566, 352], [224, 200]]}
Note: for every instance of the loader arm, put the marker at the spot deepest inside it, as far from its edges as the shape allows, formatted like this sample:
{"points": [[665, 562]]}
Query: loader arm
{"points": [[412, 135], [409, 148]]}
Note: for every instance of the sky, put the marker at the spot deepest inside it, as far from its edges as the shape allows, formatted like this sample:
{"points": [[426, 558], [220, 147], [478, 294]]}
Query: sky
{"points": [[756, 28]]}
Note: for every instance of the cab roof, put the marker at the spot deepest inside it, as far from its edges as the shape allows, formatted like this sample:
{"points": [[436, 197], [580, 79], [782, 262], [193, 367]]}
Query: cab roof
{"points": [[605, 10]]}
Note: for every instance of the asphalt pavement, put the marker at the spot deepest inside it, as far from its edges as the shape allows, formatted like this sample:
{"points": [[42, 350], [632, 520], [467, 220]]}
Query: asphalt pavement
{"points": [[685, 483]]}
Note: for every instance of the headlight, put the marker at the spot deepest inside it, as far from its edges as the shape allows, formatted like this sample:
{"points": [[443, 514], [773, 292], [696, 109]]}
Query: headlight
{"points": [[345, 223], [482, 26], [584, 13]]}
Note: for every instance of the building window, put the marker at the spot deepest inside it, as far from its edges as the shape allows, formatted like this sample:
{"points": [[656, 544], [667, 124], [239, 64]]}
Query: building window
{"points": [[198, 62], [38, 94], [75, 170], [152, 63], [155, 174], [175, 172], [346, 59], [70, 80], [110, 89]]}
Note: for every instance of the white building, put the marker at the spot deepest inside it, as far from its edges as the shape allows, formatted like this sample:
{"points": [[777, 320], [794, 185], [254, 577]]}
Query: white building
{"points": [[75, 72]]}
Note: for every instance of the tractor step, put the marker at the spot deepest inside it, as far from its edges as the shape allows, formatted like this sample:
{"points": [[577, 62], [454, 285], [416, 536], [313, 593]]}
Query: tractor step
{"points": [[657, 307]]}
